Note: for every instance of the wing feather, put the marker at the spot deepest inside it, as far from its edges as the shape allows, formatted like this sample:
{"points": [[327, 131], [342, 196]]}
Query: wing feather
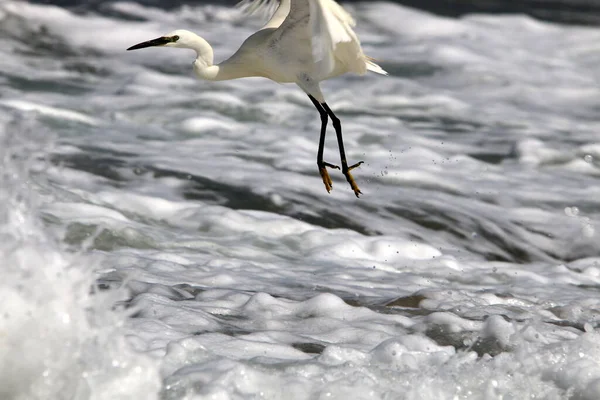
{"points": [[277, 10], [334, 42]]}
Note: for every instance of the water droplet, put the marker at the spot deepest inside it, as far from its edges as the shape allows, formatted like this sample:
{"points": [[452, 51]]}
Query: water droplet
{"points": [[588, 158]]}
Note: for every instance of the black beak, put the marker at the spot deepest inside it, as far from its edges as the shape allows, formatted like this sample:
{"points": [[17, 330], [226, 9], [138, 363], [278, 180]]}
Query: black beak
{"points": [[161, 41]]}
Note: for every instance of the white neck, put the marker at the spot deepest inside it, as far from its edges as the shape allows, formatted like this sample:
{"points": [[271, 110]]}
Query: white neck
{"points": [[204, 67]]}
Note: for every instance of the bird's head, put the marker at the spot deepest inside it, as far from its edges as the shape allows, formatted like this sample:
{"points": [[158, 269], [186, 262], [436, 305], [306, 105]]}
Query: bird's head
{"points": [[178, 38]]}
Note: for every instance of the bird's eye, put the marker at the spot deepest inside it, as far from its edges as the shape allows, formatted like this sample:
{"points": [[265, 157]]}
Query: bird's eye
{"points": [[175, 38]]}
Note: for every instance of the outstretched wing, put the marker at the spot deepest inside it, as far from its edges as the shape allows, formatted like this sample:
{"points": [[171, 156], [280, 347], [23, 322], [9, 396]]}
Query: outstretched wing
{"points": [[328, 26]]}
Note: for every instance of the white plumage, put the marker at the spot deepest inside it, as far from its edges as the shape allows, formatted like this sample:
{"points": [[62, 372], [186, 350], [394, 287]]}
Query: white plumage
{"points": [[304, 42]]}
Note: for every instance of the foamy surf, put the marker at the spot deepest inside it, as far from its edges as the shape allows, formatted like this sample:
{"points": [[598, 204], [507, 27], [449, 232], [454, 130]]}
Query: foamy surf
{"points": [[59, 337], [169, 238]]}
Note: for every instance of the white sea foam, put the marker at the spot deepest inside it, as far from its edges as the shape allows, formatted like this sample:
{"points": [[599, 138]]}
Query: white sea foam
{"points": [[56, 339], [51, 112]]}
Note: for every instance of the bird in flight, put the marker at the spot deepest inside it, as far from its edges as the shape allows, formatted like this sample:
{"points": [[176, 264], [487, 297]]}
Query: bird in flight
{"points": [[304, 42]]}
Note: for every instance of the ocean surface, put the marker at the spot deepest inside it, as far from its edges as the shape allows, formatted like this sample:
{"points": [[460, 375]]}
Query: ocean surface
{"points": [[583, 12], [167, 238]]}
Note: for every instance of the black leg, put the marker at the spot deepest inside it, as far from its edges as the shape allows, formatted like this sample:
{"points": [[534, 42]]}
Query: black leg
{"points": [[338, 132], [320, 163]]}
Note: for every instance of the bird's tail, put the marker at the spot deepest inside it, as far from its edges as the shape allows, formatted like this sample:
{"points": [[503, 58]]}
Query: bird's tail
{"points": [[371, 66]]}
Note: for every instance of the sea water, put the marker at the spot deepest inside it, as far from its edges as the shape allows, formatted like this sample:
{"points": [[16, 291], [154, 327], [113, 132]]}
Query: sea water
{"points": [[166, 238]]}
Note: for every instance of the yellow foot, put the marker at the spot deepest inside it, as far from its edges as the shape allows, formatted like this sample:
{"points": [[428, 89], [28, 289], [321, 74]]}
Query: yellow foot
{"points": [[350, 178], [325, 175]]}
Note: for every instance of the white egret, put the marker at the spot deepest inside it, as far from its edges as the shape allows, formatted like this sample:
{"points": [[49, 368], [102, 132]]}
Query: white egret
{"points": [[304, 42]]}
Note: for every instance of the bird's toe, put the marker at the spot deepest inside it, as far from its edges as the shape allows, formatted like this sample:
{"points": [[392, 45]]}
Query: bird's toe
{"points": [[350, 178], [358, 164], [326, 178]]}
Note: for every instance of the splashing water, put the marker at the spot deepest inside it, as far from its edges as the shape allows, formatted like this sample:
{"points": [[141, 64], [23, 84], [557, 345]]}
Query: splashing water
{"points": [[57, 340]]}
